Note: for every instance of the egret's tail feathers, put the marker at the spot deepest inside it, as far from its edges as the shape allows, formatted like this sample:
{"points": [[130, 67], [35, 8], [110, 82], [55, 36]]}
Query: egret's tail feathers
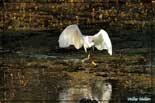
{"points": [[110, 51]]}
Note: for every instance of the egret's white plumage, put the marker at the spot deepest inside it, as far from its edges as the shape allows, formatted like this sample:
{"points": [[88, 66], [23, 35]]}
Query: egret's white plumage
{"points": [[72, 35]]}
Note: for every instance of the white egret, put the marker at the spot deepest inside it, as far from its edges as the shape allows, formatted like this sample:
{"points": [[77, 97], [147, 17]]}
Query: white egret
{"points": [[72, 35]]}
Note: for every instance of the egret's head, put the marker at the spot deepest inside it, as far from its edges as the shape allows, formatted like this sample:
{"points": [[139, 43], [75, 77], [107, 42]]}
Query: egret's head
{"points": [[92, 44], [90, 41]]}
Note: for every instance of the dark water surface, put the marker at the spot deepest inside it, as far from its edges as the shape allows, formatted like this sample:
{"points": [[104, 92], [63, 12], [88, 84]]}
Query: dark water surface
{"points": [[35, 70], [45, 78]]}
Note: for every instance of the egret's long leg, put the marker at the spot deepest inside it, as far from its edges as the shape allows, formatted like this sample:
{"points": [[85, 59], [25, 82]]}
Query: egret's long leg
{"points": [[88, 56], [93, 48], [92, 61]]}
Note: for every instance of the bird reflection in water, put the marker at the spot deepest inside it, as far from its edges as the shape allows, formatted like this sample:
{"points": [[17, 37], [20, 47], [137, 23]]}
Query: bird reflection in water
{"points": [[96, 92]]}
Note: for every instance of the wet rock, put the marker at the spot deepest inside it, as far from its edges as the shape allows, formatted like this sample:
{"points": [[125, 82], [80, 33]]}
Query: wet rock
{"points": [[84, 100]]}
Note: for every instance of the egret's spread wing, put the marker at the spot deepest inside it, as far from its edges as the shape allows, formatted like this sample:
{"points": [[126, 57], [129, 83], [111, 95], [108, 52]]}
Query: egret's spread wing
{"points": [[102, 41], [71, 35]]}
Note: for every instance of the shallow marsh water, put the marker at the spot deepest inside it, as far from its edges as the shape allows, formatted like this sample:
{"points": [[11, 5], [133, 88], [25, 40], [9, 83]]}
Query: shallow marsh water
{"points": [[46, 74], [49, 78]]}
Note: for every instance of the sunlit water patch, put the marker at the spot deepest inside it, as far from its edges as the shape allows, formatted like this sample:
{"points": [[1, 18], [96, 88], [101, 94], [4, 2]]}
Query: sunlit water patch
{"points": [[35, 55]]}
